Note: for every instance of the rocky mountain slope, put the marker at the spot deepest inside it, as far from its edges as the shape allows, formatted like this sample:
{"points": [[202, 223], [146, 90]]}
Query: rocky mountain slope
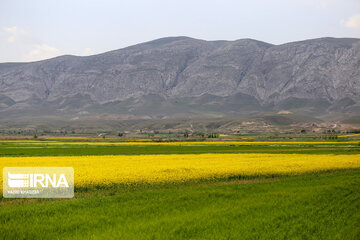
{"points": [[181, 76]]}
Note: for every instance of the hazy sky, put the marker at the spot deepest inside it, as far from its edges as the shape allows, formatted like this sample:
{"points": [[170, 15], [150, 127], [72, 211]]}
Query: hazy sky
{"points": [[39, 29]]}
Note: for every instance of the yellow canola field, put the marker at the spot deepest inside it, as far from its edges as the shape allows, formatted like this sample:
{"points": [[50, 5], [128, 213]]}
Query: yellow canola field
{"points": [[175, 143], [350, 135], [103, 170]]}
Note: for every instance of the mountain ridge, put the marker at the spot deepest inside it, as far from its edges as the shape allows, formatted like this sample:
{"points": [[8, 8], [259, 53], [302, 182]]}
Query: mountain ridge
{"points": [[323, 73]]}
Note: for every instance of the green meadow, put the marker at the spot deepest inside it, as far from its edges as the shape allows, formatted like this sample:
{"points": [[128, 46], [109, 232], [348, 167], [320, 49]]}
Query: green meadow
{"points": [[322, 205], [18, 149]]}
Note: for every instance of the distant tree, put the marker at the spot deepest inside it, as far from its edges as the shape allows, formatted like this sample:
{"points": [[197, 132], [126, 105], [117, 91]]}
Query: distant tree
{"points": [[120, 134], [35, 136], [213, 135], [303, 131], [186, 134], [200, 134]]}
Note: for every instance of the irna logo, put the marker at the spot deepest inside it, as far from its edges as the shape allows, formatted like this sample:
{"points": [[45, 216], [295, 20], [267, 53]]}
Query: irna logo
{"points": [[38, 182], [35, 180]]}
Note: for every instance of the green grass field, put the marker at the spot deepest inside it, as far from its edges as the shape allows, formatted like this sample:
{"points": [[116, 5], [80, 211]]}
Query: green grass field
{"points": [[305, 207], [16, 149], [322, 205]]}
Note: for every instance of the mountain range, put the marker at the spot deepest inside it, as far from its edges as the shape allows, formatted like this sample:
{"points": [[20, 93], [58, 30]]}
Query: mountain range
{"points": [[181, 77]]}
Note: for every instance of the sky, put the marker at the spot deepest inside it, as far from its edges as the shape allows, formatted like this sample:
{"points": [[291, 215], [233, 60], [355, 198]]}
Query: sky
{"points": [[40, 29]]}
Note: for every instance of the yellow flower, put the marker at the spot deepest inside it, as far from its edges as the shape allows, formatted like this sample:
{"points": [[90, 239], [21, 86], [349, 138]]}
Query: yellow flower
{"points": [[122, 169], [350, 135]]}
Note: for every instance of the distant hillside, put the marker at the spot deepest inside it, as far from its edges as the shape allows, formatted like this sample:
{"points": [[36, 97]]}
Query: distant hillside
{"points": [[181, 76]]}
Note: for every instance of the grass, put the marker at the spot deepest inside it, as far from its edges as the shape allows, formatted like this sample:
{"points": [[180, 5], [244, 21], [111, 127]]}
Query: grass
{"points": [[312, 206], [317, 205], [18, 149]]}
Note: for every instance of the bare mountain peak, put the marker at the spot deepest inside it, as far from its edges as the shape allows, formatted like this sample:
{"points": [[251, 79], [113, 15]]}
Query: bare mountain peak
{"points": [[319, 72]]}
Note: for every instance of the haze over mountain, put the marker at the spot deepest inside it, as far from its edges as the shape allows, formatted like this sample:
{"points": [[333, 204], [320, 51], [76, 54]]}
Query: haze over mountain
{"points": [[181, 76]]}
